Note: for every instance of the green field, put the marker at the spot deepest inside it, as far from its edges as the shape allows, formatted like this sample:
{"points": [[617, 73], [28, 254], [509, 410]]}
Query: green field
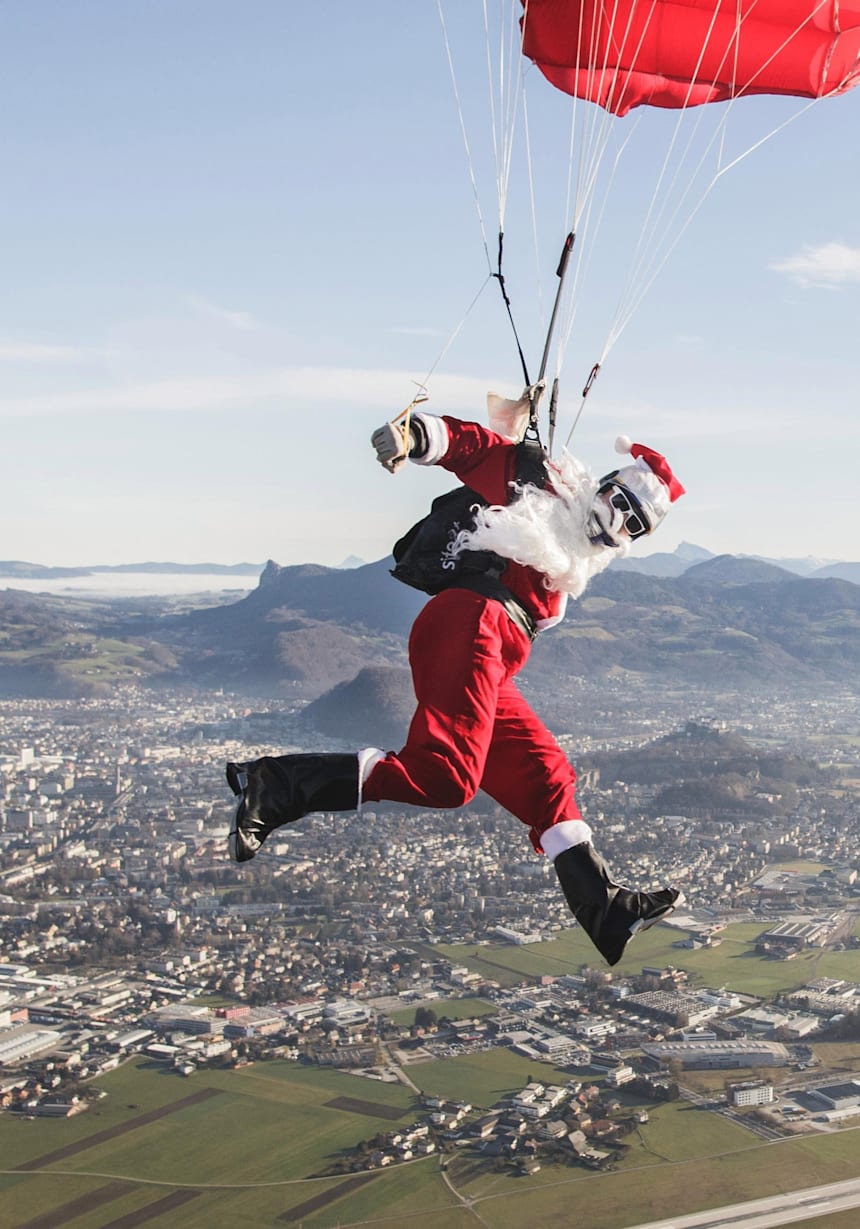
{"points": [[230, 1149], [733, 963], [453, 1009], [665, 1176], [483, 1078]]}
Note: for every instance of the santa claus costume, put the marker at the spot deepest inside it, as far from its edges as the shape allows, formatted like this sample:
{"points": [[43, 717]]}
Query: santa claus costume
{"points": [[472, 728]]}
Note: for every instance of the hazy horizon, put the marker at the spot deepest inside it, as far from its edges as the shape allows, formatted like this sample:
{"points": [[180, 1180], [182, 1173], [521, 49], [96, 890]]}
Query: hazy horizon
{"points": [[151, 582]]}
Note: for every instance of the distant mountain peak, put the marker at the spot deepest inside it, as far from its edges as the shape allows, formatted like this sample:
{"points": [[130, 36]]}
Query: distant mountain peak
{"points": [[270, 574], [695, 554], [737, 569]]}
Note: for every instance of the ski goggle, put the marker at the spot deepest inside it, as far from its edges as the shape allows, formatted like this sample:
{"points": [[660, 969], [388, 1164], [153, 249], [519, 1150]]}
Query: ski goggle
{"points": [[635, 521], [625, 510]]}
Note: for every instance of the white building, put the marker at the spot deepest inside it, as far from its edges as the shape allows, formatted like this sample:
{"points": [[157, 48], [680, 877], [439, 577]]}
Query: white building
{"points": [[756, 1092]]}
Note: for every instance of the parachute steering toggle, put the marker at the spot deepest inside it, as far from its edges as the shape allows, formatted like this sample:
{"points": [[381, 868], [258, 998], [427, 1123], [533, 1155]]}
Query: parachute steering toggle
{"points": [[536, 391]]}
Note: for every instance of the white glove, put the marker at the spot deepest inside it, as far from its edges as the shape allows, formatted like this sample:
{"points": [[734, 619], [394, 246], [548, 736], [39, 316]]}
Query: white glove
{"points": [[391, 446]]}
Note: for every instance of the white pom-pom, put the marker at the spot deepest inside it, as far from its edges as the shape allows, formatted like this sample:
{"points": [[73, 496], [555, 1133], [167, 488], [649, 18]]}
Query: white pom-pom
{"points": [[623, 443]]}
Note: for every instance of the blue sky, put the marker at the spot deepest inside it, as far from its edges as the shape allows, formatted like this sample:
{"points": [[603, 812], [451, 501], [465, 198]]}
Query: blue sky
{"points": [[236, 236]]}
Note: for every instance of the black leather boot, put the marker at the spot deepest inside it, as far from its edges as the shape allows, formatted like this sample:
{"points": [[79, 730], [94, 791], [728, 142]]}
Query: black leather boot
{"points": [[609, 913], [278, 790]]}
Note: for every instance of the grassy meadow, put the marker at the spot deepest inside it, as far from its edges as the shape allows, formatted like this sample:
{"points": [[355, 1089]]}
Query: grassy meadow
{"points": [[453, 1009], [256, 1146], [732, 963], [244, 1148]]}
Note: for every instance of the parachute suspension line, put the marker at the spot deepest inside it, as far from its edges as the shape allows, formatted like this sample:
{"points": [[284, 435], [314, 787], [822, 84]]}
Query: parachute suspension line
{"points": [[592, 229], [465, 136], [505, 84], [571, 212], [586, 154], [648, 274], [791, 118], [501, 187], [599, 149], [423, 393], [651, 254], [588, 214], [502, 146], [768, 135], [405, 415], [597, 128], [500, 278], [503, 123], [619, 46], [532, 205], [639, 278], [663, 249], [732, 32], [456, 331], [592, 376], [656, 269]]}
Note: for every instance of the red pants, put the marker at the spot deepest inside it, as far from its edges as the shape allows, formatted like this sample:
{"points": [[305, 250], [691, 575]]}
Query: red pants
{"points": [[472, 728]]}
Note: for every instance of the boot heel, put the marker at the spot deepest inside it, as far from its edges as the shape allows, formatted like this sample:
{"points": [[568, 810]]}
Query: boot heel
{"points": [[237, 778]]}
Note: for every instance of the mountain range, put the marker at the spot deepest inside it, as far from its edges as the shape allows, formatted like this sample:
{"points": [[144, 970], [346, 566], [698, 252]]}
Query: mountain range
{"points": [[674, 563], [686, 556], [726, 622], [18, 569]]}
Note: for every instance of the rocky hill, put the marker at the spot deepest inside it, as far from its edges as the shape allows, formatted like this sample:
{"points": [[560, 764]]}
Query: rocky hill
{"points": [[374, 708], [702, 769], [726, 622]]}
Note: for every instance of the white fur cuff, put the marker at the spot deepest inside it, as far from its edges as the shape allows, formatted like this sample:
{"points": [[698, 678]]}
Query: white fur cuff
{"points": [[367, 761], [564, 836], [438, 439]]}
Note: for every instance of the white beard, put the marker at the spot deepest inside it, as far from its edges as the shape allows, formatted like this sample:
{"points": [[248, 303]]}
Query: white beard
{"points": [[545, 530]]}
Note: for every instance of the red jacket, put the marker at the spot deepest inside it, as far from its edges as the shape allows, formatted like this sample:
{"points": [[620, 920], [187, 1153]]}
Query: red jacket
{"points": [[486, 462]]}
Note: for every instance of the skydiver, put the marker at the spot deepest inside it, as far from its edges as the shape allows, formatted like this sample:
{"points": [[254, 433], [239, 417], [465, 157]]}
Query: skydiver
{"points": [[539, 542]]}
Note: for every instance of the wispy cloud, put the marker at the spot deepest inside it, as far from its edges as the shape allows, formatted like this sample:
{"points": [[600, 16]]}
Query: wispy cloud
{"points": [[14, 351], [236, 319], [350, 392], [827, 266], [274, 388]]}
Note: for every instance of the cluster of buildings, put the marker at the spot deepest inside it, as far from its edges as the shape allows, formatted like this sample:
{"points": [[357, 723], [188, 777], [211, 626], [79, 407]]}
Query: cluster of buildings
{"points": [[559, 1121], [59, 1031], [122, 921]]}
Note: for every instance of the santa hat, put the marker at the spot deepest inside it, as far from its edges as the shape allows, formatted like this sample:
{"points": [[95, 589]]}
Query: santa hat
{"points": [[657, 464], [649, 482]]}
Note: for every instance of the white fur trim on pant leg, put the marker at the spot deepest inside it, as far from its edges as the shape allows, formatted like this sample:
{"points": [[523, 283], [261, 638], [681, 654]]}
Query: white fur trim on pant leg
{"points": [[564, 836], [368, 758], [438, 439]]}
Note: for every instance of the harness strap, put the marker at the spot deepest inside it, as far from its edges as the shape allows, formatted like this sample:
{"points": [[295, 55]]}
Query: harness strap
{"points": [[500, 278], [489, 586]]}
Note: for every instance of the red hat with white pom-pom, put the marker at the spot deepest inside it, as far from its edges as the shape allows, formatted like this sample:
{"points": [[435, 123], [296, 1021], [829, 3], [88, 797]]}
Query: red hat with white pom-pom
{"points": [[635, 498]]}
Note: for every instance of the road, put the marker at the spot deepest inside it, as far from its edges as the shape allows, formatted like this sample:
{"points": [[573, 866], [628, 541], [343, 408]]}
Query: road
{"points": [[771, 1213]]}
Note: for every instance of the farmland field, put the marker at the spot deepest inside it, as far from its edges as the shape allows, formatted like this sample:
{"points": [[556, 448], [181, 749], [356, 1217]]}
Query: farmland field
{"points": [[733, 963], [241, 1148], [453, 1009]]}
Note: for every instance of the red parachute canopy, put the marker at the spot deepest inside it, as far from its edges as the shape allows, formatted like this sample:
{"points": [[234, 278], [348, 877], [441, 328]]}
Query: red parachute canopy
{"points": [[678, 53]]}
